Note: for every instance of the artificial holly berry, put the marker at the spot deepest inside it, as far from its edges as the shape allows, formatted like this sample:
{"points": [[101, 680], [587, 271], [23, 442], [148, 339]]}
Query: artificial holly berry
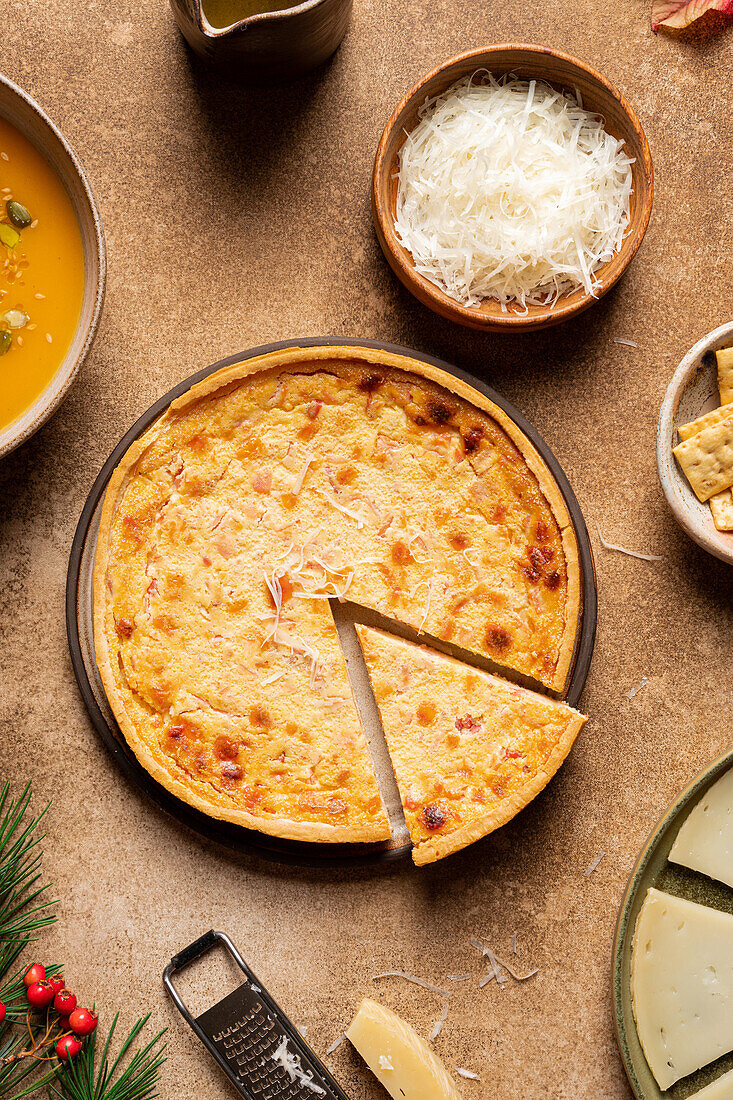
{"points": [[68, 1047], [34, 973], [3, 1011], [82, 1021], [64, 1002], [57, 981], [40, 994]]}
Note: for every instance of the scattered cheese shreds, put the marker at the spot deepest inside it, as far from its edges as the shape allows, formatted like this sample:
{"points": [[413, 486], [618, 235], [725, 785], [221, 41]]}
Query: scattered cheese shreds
{"points": [[635, 690], [438, 1025], [336, 1044], [467, 1074], [626, 343], [290, 1062], [459, 977], [624, 550], [593, 865], [514, 943], [509, 189], [412, 978]]}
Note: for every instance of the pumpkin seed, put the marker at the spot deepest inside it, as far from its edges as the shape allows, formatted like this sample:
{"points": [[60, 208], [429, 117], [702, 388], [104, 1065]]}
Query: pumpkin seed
{"points": [[18, 214], [5, 341], [8, 236]]}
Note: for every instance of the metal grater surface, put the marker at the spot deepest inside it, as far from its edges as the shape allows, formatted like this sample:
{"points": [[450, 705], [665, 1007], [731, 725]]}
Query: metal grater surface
{"points": [[244, 1030]]}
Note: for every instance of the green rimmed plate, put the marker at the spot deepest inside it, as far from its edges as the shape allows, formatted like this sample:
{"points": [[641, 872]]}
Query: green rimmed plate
{"points": [[653, 869]]}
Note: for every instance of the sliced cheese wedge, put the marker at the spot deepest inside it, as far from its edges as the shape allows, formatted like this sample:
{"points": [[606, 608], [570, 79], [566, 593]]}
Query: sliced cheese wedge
{"points": [[469, 750], [682, 985], [705, 841], [719, 1089], [398, 1057]]}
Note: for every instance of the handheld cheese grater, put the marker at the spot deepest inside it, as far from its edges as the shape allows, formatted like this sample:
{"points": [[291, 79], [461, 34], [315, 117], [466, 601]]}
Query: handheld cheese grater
{"points": [[261, 1052]]}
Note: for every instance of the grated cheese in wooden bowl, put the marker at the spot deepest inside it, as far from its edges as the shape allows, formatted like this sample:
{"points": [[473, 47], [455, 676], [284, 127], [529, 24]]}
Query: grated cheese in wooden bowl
{"points": [[509, 189]]}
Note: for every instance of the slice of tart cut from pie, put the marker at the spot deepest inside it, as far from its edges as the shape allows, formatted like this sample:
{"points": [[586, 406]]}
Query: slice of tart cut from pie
{"points": [[469, 750]]}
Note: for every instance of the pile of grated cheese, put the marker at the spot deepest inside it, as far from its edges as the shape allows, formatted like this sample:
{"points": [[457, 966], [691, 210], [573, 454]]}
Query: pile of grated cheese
{"points": [[509, 189]]}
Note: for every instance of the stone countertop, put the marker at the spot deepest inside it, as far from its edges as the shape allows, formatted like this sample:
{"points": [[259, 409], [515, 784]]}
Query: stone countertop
{"points": [[236, 217]]}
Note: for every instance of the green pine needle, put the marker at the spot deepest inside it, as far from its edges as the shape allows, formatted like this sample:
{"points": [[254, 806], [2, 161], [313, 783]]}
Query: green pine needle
{"points": [[23, 910], [89, 1078]]}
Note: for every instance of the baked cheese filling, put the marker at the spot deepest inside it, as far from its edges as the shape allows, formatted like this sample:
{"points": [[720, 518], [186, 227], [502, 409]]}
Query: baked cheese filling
{"points": [[265, 492]]}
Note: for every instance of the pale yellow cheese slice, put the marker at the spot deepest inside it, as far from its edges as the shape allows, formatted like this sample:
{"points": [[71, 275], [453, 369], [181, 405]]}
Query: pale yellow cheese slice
{"points": [[705, 841], [707, 420], [721, 505], [707, 458], [682, 985], [724, 357], [398, 1057], [719, 1089]]}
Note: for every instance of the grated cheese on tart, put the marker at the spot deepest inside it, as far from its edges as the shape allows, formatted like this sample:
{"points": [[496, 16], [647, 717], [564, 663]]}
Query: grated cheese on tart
{"points": [[271, 488], [469, 750]]}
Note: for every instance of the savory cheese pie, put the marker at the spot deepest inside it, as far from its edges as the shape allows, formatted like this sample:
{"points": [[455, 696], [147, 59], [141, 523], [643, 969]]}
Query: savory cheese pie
{"points": [[273, 487], [469, 750]]}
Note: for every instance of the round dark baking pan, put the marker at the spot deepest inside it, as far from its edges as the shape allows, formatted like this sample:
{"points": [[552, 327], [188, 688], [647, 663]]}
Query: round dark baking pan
{"points": [[79, 624]]}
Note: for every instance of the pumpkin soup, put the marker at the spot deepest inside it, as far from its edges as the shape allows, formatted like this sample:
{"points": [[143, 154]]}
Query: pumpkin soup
{"points": [[41, 273]]}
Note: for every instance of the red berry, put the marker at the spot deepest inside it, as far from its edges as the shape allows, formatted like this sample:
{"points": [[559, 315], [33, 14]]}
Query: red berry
{"points": [[82, 1021], [64, 1002], [68, 1047], [34, 973], [57, 981], [3, 1011], [40, 994]]}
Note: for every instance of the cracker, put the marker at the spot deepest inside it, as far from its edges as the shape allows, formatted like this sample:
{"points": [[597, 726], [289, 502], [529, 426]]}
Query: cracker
{"points": [[709, 420], [721, 505], [724, 358], [707, 458]]}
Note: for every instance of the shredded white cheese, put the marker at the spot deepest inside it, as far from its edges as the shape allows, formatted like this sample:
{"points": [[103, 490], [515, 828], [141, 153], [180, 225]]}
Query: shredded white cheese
{"points": [[635, 690], [624, 550], [438, 1025], [467, 1074], [412, 978], [509, 189], [385, 1062], [459, 977], [593, 865], [626, 343], [336, 1044], [290, 1062]]}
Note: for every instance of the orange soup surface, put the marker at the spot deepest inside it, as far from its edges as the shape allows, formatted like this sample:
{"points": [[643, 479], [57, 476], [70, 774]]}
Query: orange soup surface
{"points": [[41, 273]]}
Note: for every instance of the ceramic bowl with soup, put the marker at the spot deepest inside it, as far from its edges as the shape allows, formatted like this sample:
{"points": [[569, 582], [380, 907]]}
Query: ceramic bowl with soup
{"points": [[52, 266]]}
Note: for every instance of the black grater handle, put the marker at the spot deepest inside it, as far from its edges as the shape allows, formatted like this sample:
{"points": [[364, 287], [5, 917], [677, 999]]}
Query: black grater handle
{"points": [[193, 951]]}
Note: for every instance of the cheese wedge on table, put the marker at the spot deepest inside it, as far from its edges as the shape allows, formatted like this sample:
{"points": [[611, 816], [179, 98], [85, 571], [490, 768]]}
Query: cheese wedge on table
{"points": [[719, 1089], [705, 841], [397, 1056], [682, 985]]}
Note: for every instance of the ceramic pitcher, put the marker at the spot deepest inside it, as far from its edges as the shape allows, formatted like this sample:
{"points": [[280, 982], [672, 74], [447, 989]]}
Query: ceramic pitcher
{"points": [[273, 46]]}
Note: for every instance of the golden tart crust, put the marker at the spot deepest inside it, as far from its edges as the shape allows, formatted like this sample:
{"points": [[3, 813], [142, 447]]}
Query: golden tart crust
{"points": [[469, 750], [265, 490]]}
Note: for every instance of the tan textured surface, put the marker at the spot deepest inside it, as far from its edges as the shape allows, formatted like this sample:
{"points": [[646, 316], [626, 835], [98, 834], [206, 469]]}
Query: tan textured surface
{"points": [[237, 217]]}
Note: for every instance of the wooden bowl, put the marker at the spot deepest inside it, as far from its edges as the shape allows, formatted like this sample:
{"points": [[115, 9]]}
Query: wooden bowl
{"points": [[528, 62], [26, 116], [692, 392]]}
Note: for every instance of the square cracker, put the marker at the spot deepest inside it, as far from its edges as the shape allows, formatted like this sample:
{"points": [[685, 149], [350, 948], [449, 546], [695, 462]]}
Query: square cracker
{"points": [[709, 420], [707, 458], [721, 505], [724, 358]]}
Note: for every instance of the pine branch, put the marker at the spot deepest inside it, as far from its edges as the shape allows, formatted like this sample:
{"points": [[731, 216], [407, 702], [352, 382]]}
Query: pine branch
{"points": [[89, 1078], [22, 907], [13, 1076]]}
